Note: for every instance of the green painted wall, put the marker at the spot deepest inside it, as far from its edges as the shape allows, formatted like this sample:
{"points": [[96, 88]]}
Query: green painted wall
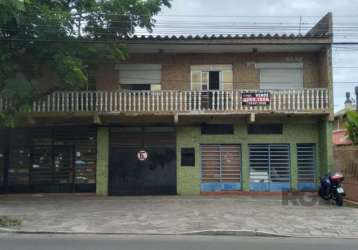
{"points": [[188, 178], [102, 161], [326, 147], [294, 131]]}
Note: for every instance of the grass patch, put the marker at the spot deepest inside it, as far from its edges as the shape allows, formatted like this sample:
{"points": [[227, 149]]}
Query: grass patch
{"points": [[6, 221]]}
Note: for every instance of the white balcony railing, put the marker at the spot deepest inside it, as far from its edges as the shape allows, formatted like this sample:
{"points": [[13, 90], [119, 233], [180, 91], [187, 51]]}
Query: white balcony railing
{"points": [[309, 100]]}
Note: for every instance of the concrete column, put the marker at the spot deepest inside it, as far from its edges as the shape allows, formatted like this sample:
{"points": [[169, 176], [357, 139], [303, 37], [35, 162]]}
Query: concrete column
{"points": [[325, 147], [293, 162], [245, 169], [188, 178], [102, 161]]}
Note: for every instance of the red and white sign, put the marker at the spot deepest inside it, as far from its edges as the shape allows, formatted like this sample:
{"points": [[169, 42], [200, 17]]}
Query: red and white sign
{"points": [[142, 155], [255, 98]]}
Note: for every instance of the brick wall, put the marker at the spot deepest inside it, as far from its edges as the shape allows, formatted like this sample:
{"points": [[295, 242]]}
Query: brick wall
{"points": [[346, 160], [176, 68]]}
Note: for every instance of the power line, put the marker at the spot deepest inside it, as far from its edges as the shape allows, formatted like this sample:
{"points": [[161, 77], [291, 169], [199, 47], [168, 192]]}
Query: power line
{"points": [[196, 15]]}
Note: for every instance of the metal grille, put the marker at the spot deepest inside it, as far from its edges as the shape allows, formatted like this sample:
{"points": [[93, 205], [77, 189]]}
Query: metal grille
{"points": [[46, 157], [269, 163], [41, 168], [220, 163], [306, 162], [63, 164]]}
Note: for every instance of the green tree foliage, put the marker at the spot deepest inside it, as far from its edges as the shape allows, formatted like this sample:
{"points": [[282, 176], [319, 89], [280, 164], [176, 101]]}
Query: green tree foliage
{"points": [[66, 36], [352, 126]]}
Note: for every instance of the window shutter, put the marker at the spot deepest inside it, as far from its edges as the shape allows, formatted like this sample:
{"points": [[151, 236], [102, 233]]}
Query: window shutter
{"points": [[227, 80], [139, 73], [280, 75], [195, 80], [204, 80]]}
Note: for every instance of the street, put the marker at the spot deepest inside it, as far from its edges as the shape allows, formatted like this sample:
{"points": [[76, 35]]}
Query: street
{"points": [[129, 242]]}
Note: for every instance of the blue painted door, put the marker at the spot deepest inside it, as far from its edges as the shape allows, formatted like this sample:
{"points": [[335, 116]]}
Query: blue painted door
{"points": [[269, 167], [220, 167]]}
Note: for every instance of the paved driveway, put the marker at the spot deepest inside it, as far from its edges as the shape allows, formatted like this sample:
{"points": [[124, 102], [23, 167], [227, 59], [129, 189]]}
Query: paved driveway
{"points": [[176, 214]]}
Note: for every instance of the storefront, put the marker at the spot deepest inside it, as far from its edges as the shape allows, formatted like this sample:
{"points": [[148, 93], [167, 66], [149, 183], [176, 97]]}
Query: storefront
{"points": [[51, 159], [267, 156]]}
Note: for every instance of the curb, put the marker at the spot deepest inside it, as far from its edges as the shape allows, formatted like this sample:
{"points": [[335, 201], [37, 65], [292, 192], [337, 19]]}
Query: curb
{"points": [[236, 233], [242, 233], [351, 203], [201, 232]]}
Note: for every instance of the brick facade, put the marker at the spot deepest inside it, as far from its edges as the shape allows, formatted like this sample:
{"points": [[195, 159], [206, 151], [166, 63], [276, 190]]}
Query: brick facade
{"points": [[176, 68]]}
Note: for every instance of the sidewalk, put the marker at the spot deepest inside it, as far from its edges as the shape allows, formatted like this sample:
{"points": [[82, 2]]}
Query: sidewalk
{"points": [[178, 215]]}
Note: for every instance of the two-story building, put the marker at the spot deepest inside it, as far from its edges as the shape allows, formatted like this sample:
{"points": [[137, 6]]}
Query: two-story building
{"points": [[184, 115]]}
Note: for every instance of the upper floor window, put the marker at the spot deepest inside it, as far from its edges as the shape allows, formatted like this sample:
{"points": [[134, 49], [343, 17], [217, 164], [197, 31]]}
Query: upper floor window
{"points": [[280, 75], [140, 76], [211, 77]]}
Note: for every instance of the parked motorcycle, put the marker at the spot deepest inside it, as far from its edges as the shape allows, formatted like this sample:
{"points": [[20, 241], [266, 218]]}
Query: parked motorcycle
{"points": [[331, 188]]}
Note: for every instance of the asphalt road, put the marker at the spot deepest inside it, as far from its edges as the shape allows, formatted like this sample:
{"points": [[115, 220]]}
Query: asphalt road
{"points": [[130, 242]]}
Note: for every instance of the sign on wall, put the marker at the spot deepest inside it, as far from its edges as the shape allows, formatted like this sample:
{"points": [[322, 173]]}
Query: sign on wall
{"points": [[142, 155], [255, 98]]}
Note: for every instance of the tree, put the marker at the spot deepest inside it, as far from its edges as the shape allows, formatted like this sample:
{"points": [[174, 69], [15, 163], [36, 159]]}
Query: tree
{"points": [[67, 36], [352, 126]]}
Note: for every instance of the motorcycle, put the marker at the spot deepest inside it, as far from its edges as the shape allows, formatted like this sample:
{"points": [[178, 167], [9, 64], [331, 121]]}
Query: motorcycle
{"points": [[331, 188]]}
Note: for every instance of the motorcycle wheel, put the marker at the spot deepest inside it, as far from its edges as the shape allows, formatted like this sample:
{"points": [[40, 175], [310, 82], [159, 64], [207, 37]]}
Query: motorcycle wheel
{"points": [[323, 196], [339, 200]]}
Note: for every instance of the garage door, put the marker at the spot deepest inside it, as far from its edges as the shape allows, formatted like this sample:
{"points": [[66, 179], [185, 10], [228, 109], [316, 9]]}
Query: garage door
{"points": [[269, 167], [220, 167], [156, 174]]}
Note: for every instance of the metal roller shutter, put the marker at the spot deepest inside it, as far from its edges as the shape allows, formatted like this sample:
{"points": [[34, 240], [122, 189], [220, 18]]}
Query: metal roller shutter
{"points": [[306, 166], [139, 73], [269, 167], [281, 75], [220, 167]]}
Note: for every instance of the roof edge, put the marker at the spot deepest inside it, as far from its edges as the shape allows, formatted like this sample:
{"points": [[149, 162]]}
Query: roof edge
{"points": [[324, 27]]}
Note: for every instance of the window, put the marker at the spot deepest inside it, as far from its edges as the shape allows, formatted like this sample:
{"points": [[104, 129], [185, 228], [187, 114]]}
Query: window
{"points": [[135, 86], [306, 166], [188, 157], [211, 77], [280, 75], [264, 129], [221, 163], [140, 76], [217, 129], [269, 167]]}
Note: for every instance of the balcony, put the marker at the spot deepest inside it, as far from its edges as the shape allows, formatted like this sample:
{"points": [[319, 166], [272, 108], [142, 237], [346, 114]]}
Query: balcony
{"points": [[243, 101]]}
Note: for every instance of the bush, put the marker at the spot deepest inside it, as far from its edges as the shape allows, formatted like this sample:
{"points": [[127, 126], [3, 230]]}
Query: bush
{"points": [[352, 126]]}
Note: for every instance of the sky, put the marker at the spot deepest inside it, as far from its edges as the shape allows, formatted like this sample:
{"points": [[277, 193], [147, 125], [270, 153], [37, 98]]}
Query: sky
{"points": [[282, 16]]}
